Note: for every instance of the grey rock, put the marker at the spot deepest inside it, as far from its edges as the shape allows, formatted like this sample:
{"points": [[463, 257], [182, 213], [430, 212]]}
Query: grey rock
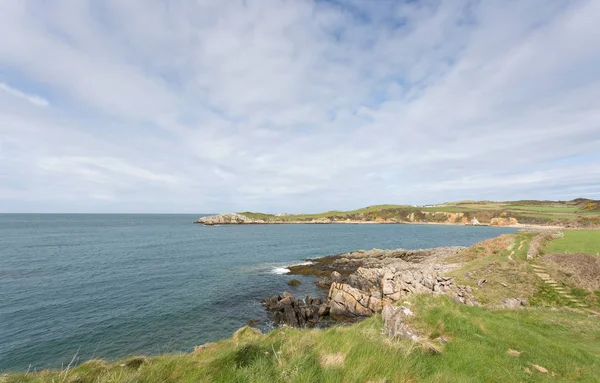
{"points": [[513, 303], [394, 322]]}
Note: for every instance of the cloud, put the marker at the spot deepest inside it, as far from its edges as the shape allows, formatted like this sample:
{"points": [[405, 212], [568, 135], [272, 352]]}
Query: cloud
{"points": [[295, 106], [35, 100]]}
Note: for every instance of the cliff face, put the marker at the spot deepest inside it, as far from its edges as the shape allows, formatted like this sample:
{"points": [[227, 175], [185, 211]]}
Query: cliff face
{"points": [[240, 219], [228, 219], [412, 217]]}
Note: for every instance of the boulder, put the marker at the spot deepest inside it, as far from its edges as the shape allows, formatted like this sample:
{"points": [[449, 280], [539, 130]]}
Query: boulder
{"points": [[347, 301], [394, 322], [292, 311], [294, 282], [513, 303]]}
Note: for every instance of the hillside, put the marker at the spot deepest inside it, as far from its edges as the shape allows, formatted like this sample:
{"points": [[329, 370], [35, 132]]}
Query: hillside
{"points": [[576, 213]]}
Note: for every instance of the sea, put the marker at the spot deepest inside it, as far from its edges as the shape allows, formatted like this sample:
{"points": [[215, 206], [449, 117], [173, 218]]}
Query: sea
{"points": [[79, 286]]}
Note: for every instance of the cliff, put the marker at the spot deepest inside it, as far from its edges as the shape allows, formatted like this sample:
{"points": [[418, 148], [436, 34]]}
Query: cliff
{"points": [[575, 213]]}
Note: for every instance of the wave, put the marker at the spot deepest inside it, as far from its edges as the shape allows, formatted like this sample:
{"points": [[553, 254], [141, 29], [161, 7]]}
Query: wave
{"points": [[284, 269]]}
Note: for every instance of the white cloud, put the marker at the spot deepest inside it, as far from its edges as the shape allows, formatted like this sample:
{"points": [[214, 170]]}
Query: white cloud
{"points": [[32, 98], [296, 105]]}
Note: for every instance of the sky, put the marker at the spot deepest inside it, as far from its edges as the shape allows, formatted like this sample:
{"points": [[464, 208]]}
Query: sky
{"points": [[295, 105]]}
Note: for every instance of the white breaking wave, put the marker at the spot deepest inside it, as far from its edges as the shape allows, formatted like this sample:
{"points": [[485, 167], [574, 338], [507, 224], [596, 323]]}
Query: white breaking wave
{"points": [[285, 270]]}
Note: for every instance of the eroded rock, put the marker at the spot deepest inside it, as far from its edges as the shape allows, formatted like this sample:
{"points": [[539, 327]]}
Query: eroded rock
{"points": [[296, 312], [513, 303], [395, 322], [347, 301]]}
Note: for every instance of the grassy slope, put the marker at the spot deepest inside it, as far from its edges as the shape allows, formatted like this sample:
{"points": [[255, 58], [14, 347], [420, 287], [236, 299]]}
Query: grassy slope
{"points": [[563, 340], [576, 241], [566, 343], [544, 211]]}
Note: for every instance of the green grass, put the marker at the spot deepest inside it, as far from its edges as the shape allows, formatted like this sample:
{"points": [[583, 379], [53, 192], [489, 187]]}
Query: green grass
{"points": [[331, 213], [546, 209], [535, 212], [505, 278], [575, 241], [566, 343]]}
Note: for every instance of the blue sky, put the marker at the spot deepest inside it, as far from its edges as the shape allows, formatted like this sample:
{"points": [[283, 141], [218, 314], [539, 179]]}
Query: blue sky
{"points": [[299, 106]]}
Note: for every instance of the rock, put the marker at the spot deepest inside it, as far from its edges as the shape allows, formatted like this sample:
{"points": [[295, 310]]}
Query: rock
{"points": [[503, 284], [347, 301], [252, 322], [499, 221], [442, 339], [294, 282], [513, 303], [228, 219], [323, 310], [540, 368], [394, 325], [292, 311], [481, 282], [335, 276]]}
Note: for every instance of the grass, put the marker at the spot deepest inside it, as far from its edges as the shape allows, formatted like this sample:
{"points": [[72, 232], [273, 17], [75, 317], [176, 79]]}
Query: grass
{"points": [[505, 278], [575, 241], [532, 212], [565, 343]]}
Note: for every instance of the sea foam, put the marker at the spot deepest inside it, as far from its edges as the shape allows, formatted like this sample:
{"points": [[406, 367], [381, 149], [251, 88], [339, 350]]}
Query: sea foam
{"points": [[284, 269]]}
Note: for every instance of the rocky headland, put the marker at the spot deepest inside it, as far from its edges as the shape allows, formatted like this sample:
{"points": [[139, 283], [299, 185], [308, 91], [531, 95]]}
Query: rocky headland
{"points": [[363, 283]]}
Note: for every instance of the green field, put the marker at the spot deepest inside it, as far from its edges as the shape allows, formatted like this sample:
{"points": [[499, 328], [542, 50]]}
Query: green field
{"points": [[534, 212], [567, 344], [576, 241]]}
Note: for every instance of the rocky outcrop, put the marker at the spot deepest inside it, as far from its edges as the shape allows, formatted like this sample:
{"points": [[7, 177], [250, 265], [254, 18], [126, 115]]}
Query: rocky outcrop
{"points": [[228, 219], [296, 312], [348, 263], [361, 283], [346, 301], [500, 221], [394, 322]]}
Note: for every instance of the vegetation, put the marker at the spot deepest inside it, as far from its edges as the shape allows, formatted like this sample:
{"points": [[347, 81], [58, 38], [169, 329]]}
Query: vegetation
{"points": [[579, 212], [576, 241], [567, 344]]}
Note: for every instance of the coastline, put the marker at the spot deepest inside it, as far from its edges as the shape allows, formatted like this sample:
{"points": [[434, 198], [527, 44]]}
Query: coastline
{"points": [[206, 221]]}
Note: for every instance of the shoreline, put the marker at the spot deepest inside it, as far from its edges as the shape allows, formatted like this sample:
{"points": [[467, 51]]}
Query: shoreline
{"points": [[515, 226]]}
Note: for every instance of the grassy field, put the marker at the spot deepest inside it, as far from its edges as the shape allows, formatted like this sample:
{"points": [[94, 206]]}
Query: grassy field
{"points": [[567, 344], [576, 241], [534, 212]]}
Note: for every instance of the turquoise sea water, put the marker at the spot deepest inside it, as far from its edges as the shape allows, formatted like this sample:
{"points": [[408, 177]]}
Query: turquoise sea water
{"points": [[114, 285]]}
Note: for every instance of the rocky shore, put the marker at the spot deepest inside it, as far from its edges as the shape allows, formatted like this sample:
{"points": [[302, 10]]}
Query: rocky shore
{"points": [[423, 218], [240, 219], [363, 283]]}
